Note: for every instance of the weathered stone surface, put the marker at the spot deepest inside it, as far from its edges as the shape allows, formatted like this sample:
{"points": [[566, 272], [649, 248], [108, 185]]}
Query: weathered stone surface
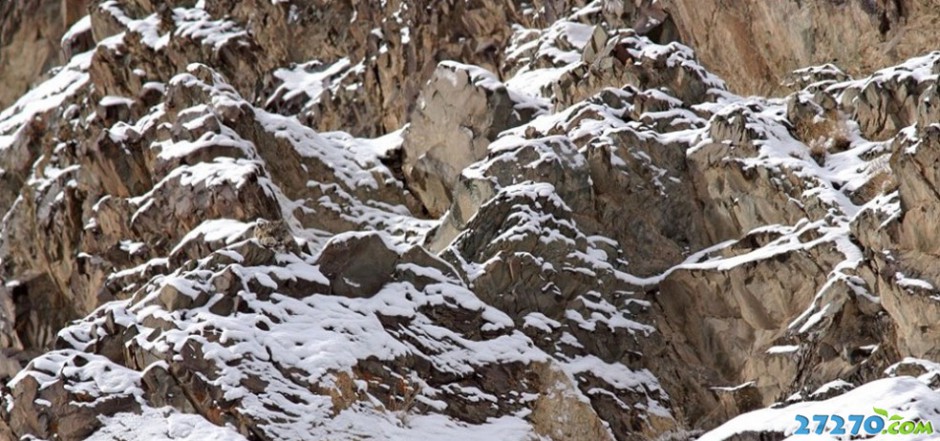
{"points": [[55, 410], [357, 266], [754, 44], [569, 229], [460, 111], [29, 42]]}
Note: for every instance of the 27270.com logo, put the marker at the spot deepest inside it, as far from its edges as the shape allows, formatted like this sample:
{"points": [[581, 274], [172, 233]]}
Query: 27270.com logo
{"points": [[879, 423]]}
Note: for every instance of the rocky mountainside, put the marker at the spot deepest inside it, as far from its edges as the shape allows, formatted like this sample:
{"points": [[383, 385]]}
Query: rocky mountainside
{"points": [[754, 44], [469, 219]]}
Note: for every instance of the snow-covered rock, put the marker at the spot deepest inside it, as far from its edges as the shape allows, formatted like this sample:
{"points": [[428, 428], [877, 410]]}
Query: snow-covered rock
{"points": [[566, 231]]}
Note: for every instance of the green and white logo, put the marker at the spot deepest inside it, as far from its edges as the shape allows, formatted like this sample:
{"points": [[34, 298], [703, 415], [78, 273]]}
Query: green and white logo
{"points": [[879, 423]]}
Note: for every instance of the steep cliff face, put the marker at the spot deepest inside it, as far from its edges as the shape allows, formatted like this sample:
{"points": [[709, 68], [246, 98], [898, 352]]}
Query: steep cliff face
{"points": [[30, 35], [753, 44], [477, 220]]}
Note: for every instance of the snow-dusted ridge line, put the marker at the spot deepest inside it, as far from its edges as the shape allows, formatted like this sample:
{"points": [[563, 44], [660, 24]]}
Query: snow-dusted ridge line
{"points": [[45, 97], [265, 310]]}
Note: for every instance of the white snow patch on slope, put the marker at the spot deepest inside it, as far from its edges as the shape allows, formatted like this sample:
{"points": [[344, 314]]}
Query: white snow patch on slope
{"points": [[358, 423], [213, 230], [905, 396], [46, 96], [197, 24], [785, 349], [831, 386], [312, 78], [81, 26], [165, 424], [910, 282]]}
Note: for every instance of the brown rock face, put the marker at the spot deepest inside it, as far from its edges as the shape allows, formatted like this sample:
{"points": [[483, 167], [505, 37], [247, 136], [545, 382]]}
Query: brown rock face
{"points": [[753, 44], [29, 41], [460, 111], [569, 229]]}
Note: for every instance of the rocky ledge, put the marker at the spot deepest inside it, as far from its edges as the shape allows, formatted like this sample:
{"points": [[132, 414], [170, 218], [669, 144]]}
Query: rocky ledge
{"points": [[357, 221]]}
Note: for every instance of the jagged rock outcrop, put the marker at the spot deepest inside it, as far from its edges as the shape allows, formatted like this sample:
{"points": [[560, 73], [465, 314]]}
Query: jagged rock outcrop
{"points": [[461, 111], [567, 229]]}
